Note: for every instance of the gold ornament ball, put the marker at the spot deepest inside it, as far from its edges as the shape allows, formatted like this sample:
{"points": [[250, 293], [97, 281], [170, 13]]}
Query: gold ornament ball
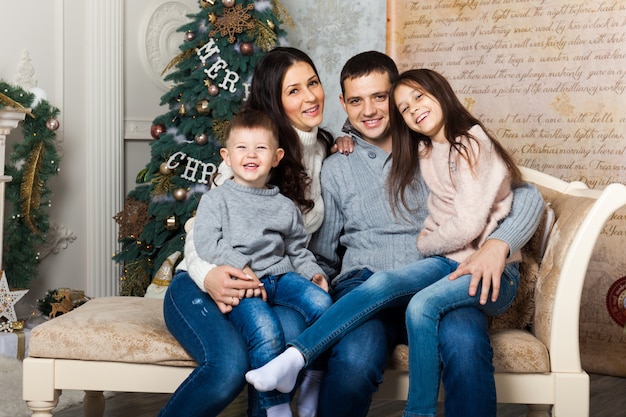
{"points": [[52, 124], [180, 194], [213, 90], [206, 3], [228, 3], [172, 223], [246, 48], [201, 139], [157, 130], [203, 107], [163, 169]]}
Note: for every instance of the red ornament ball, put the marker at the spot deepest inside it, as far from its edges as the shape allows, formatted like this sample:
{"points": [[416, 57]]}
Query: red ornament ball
{"points": [[52, 124], [246, 48], [157, 130]]}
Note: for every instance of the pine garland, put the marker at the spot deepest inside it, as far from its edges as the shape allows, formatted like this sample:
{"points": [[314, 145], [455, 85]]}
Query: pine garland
{"points": [[31, 164]]}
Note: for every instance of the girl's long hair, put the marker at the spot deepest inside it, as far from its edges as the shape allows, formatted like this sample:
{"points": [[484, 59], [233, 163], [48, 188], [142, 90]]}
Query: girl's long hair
{"points": [[457, 122], [265, 95]]}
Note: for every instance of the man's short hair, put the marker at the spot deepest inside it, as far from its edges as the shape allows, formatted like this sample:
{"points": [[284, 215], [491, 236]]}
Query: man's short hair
{"points": [[365, 63]]}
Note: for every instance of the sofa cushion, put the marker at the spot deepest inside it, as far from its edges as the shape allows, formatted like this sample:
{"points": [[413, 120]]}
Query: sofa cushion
{"points": [[117, 329]]}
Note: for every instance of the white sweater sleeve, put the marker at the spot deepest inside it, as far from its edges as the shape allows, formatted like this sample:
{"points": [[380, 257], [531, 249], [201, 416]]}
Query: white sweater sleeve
{"points": [[196, 266]]}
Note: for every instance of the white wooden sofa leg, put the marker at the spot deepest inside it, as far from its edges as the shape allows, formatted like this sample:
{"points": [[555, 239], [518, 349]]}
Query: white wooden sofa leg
{"points": [[41, 408], [38, 386], [571, 396], [93, 404], [538, 410]]}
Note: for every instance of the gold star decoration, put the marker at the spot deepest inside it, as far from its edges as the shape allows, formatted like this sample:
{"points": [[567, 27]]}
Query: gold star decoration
{"points": [[234, 20], [8, 299]]}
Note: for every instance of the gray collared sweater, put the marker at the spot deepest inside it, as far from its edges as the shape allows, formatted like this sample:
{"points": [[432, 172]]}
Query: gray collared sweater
{"points": [[256, 227], [357, 215]]}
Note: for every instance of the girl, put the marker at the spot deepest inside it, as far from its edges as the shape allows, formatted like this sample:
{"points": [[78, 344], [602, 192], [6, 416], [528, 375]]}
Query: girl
{"points": [[286, 86], [424, 108], [469, 176]]}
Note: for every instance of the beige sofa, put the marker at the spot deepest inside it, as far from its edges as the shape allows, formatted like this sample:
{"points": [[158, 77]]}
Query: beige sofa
{"points": [[122, 343]]}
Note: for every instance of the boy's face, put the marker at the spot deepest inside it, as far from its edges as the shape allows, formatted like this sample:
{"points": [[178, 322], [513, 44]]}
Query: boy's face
{"points": [[251, 154], [366, 101]]}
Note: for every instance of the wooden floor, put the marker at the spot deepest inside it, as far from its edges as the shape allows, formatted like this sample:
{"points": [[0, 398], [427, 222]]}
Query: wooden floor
{"points": [[608, 399]]}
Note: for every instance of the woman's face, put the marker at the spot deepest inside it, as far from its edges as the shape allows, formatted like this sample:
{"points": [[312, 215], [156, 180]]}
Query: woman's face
{"points": [[302, 97]]}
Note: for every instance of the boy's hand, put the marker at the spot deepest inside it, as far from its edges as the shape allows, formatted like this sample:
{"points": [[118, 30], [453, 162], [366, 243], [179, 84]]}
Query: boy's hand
{"points": [[320, 281]]}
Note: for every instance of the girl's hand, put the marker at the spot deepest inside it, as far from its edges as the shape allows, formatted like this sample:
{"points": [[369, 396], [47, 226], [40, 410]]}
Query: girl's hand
{"points": [[224, 283], [344, 145], [320, 281]]}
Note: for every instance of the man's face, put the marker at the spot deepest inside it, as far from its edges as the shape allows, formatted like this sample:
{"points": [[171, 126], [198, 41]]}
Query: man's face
{"points": [[366, 101]]}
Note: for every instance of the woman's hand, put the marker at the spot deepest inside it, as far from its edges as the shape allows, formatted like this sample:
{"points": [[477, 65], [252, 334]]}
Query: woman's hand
{"points": [[344, 145], [225, 284], [320, 281]]}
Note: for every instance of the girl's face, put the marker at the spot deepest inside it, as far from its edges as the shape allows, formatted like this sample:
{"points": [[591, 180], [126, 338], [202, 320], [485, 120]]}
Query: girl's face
{"points": [[421, 111], [302, 97]]}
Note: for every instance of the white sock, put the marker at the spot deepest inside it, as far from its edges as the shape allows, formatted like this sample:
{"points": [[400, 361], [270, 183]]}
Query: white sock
{"points": [[309, 393], [280, 410], [281, 373]]}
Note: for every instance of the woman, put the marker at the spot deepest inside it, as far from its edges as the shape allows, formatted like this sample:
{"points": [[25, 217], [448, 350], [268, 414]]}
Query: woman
{"points": [[285, 85]]}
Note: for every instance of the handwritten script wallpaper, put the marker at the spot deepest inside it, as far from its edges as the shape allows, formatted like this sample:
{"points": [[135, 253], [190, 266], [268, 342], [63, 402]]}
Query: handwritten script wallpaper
{"points": [[548, 78]]}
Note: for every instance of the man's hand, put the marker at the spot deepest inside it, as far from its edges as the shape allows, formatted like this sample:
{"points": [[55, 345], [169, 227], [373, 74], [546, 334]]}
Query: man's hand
{"points": [[320, 281], [486, 265]]}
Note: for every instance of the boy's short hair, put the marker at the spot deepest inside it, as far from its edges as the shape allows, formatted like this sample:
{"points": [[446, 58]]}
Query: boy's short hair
{"points": [[365, 63], [251, 119]]}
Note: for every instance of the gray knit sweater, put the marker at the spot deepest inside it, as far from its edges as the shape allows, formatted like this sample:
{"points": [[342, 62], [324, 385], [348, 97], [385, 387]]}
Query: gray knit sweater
{"points": [[357, 215], [256, 227]]}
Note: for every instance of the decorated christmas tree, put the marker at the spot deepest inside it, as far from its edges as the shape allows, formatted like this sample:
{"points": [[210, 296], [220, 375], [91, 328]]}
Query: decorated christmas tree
{"points": [[210, 81]]}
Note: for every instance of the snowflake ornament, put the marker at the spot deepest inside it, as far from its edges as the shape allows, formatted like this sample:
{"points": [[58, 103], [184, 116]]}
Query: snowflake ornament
{"points": [[234, 20]]}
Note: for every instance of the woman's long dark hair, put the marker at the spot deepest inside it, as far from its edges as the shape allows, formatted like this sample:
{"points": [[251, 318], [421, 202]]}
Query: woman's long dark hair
{"points": [[265, 95], [457, 122]]}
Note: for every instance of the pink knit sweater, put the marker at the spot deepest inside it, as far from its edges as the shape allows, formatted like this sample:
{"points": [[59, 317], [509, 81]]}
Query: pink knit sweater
{"points": [[465, 204]]}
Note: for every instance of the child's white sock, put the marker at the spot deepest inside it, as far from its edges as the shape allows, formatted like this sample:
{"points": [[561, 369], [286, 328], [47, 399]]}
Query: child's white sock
{"points": [[309, 393], [281, 373], [280, 410]]}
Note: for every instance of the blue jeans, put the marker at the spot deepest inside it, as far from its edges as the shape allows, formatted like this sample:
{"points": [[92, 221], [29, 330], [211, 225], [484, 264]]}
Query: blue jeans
{"points": [[356, 363], [383, 290], [261, 328], [423, 316], [216, 346]]}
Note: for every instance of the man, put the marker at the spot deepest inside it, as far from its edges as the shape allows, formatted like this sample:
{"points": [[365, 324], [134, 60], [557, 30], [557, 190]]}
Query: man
{"points": [[360, 225]]}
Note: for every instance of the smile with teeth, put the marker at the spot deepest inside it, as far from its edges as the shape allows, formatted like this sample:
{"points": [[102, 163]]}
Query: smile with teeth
{"points": [[312, 110], [371, 122], [421, 117], [250, 165]]}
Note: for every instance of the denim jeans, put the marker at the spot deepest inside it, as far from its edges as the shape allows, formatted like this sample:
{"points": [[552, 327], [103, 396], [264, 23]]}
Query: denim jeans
{"points": [[211, 340], [387, 290], [356, 363], [216, 346], [261, 328], [423, 316]]}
